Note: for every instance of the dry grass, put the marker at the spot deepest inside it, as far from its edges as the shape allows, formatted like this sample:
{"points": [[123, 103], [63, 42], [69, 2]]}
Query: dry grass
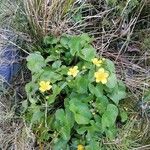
{"points": [[14, 133], [47, 16]]}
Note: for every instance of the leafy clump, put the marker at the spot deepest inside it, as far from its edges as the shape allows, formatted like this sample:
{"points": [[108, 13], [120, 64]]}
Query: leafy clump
{"points": [[74, 94]]}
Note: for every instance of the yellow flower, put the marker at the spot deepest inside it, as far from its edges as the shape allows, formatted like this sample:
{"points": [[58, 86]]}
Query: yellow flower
{"points": [[73, 71], [44, 86], [101, 76], [80, 147], [96, 62]]}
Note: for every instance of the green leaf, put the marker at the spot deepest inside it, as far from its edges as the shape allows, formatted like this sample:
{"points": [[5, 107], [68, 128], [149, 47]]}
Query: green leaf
{"points": [[75, 45], [50, 40], [60, 144], [56, 64], [94, 145], [65, 132], [118, 93], [56, 89], [101, 104], [51, 99], [50, 75], [84, 98], [64, 41], [109, 116], [37, 115], [81, 84], [96, 90], [85, 39], [69, 116], [92, 89], [63, 123], [91, 74], [93, 142], [111, 133], [24, 105], [99, 90], [80, 119], [60, 115], [110, 66], [77, 17], [111, 2], [112, 80], [87, 53], [32, 100], [31, 88], [81, 111], [52, 58], [95, 127], [81, 130], [123, 115], [35, 62], [147, 96]]}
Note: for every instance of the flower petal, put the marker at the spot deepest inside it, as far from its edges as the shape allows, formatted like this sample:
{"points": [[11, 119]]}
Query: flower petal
{"points": [[49, 87], [42, 83], [106, 74], [42, 89], [95, 74], [104, 81], [97, 80], [69, 73]]}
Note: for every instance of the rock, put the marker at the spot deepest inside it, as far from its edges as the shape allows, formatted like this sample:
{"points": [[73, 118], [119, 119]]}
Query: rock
{"points": [[9, 64]]}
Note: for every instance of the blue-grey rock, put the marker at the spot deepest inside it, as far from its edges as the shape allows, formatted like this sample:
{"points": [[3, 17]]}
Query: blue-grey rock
{"points": [[9, 64]]}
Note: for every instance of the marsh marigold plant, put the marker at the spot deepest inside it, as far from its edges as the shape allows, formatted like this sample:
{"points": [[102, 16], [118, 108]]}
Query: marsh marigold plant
{"points": [[82, 105]]}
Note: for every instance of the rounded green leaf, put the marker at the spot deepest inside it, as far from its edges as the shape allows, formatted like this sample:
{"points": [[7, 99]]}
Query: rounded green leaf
{"points": [[82, 84], [50, 75], [35, 62], [74, 45], [112, 81], [87, 53], [110, 66], [109, 116], [81, 111], [118, 93]]}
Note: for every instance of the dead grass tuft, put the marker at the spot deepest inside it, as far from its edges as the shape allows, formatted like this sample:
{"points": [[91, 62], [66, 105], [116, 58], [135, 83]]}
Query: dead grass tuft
{"points": [[47, 16]]}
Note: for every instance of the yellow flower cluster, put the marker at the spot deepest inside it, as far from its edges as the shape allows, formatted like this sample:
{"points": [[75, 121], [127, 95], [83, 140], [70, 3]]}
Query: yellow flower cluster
{"points": [[101, 75], [44, 86], [80, 147]]}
